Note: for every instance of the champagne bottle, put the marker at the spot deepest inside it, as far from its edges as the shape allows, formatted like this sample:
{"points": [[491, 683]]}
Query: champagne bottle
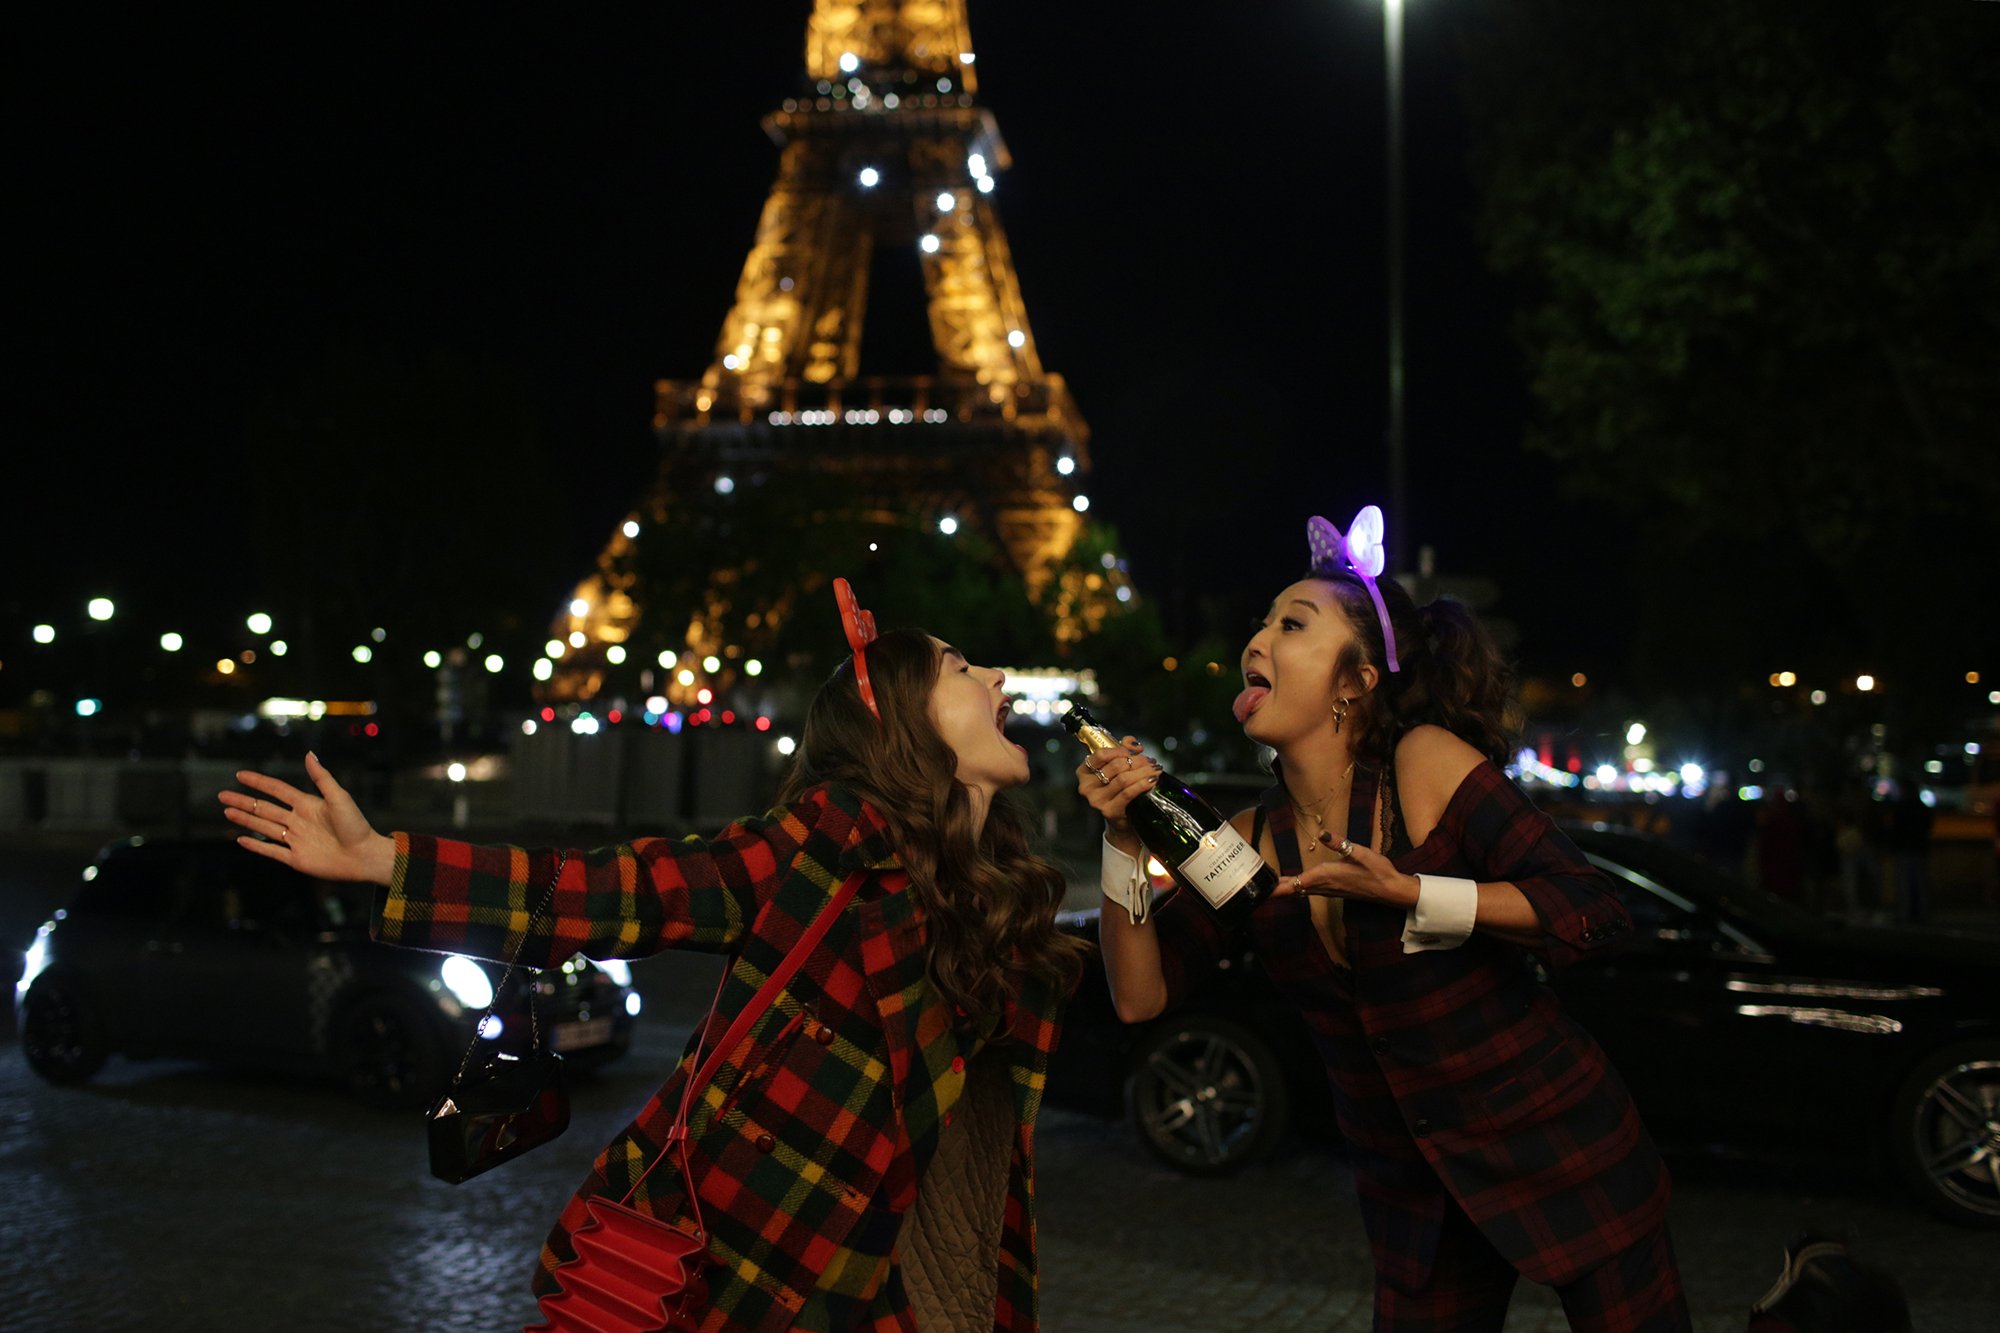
{"points": [[1206, 852]]}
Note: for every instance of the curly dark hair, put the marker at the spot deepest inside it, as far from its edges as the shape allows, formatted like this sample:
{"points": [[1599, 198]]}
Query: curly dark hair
{"points": [[1453, 675], [989, 902]]}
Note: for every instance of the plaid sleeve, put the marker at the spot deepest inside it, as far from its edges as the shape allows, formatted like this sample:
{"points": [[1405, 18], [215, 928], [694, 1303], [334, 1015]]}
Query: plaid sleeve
{"points": [[1190, 943], [626, 901], [1499, 836]]}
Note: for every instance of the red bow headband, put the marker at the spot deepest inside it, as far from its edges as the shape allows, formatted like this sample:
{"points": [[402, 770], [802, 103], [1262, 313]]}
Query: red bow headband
{"points": [[860, 627]]}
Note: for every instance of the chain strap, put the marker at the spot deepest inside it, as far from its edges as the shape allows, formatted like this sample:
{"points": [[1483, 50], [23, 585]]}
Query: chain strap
{"points": [[534, 1019]]}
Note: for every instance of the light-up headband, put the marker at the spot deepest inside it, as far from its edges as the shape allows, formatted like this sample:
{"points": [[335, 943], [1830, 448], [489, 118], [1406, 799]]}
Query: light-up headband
{"points": [[1359, 553]]}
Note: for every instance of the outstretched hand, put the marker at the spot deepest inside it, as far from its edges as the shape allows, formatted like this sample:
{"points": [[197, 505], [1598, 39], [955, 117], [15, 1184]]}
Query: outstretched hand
{"points": [[325, 835], [1360, 872]]}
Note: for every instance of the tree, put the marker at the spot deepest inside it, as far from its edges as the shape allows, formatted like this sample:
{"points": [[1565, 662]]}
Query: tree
{"points": [[1758, 256]]}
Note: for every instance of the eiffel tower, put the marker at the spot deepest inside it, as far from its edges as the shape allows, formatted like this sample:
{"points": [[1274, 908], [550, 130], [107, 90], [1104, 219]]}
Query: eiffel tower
{"points": [[886, 147]]}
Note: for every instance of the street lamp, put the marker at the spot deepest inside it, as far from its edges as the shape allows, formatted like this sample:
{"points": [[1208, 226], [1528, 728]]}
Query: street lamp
{"points": [[1392, 52]]}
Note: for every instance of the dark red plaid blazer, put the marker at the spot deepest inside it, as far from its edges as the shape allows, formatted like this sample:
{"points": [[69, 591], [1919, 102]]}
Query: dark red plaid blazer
{"points": [[1455, 1073], [807, 1148]]}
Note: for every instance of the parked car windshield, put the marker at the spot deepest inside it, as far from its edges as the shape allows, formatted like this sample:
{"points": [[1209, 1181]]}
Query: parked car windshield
{"points": [[1696, 879]]}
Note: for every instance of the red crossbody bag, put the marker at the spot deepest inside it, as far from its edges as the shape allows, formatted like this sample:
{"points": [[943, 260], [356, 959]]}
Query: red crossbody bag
{"points": [[634, 1273]]}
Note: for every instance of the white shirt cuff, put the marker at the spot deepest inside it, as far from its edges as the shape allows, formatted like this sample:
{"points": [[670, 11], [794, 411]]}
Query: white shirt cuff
{"points": [[1443, 916], [1124, 883]]}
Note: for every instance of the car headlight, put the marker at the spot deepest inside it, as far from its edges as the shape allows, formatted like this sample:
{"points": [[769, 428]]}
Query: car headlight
{"points": [[617, 969], [36, 960], [467, 980]]}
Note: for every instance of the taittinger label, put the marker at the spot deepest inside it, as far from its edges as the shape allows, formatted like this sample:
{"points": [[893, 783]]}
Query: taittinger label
{"points": [[1222, 864]]}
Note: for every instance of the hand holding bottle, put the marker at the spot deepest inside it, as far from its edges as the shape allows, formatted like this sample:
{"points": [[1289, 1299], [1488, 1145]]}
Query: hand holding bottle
{"points": [[1110, 779]]}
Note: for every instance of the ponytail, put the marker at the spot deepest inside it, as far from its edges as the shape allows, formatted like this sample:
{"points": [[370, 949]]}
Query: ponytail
{"points": [[1453, 674]]}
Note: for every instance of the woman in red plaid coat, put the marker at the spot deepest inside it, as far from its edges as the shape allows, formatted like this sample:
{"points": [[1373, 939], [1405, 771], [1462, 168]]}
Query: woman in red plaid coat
{"points": [[1488, 1136], [864, 1159]]}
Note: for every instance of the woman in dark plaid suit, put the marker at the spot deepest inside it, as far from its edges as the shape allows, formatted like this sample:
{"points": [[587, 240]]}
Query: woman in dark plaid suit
{"points": [[1488, 1136], [864, 1159]]}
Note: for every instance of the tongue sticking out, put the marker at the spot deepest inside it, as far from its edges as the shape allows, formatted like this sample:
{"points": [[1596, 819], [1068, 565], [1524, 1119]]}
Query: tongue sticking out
{"points": [[1246, 702]]}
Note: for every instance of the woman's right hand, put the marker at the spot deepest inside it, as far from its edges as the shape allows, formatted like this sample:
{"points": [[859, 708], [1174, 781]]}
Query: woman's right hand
{"points": [[1112, 778], [326, 835]]}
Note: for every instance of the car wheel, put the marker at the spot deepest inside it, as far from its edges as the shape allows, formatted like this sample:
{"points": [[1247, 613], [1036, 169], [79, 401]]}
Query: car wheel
{"points": [[61, 1034], [1208, 1095], [389, 1056], [1947, 1132]]}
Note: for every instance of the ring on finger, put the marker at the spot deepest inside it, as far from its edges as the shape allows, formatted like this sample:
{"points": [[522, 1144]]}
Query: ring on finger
{"points": [[1104, 777], [1094, 769], [254, 805], [1345, 850]]}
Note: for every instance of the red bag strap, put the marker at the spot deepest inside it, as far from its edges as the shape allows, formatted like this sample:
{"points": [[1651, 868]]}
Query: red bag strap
{"points": [[746, 1017]]}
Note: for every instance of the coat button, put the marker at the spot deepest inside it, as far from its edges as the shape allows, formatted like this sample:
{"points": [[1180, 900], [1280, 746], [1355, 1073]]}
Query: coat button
{"points": [[1422, 1127], [958, 1064], [1381, 1045], [822, 1034], [764, 1143]]}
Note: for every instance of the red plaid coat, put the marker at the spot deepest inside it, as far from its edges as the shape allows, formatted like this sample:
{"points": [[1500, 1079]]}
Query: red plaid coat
{"points": [[1455, 1073], [807, 1148]]}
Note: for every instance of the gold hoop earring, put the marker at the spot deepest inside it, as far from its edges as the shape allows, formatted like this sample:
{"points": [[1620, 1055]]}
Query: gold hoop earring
{"points": [[1339, 713]]}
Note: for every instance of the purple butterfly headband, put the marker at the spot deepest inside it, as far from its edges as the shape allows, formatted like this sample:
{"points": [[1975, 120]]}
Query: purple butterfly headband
{"points": [[1359, 553]]}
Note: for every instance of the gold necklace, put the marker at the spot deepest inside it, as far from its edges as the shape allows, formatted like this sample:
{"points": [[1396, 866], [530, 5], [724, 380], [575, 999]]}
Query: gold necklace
{"points": [[1319, 815]]}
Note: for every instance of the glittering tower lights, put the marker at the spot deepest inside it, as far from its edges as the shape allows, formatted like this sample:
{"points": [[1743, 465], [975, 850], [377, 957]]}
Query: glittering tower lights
{"points": [[887, 147]]}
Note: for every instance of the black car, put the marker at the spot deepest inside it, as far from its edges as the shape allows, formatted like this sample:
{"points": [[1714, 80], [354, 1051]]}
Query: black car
{"points": [[1740, 1022], [198, 949]]}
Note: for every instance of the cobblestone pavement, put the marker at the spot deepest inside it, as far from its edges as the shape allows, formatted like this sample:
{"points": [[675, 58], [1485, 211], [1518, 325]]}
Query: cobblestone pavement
{"points": [[170, 1196]]}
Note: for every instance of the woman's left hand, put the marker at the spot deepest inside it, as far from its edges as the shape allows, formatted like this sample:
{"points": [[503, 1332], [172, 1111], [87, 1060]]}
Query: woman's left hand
{"points": [[1361, 873]]}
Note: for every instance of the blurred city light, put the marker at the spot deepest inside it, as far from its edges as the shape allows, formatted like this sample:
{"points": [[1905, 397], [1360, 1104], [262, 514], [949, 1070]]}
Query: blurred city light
{"points": [[948, 525], [753, 667], [786, 745], [258, 622], [1065, 465], [1579, 680], [685, 677], [928, 244], [870, 178], [1016, 338], [1819, 696], [577, 638], [631, 528], [1080, 504], [528, 726], [455, 772], [225, 667], [615, 654], [1864, 683], [89, 707], [172, 642], [474, 640], [378, 634], [579, 607], [946, 201], [100, 608], [45, 634], [495, 663], [553, 648], [724, 485], [433, 659], [711, 663], [668, 658], [279, 647], [363, 653], [1635, 733], [544, 668]]}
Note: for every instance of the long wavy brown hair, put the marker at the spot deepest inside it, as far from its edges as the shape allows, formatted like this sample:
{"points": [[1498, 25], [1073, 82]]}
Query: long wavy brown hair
{"points": [[1453, 675], [989, 902]]}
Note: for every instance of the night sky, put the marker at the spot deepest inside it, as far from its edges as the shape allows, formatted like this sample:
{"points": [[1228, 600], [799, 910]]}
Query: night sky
{"points": [[214, 206]]}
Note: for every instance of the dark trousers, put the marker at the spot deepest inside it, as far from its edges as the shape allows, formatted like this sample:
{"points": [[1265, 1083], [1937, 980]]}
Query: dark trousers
{"points": [[1637, 1290]]}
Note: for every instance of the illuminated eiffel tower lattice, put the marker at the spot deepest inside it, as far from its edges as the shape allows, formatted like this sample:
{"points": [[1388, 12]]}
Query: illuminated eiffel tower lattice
{"points": [[887, 147]]}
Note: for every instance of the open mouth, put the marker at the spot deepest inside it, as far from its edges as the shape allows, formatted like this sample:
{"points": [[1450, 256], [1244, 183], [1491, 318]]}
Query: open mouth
{"points": [[1256, 688]]}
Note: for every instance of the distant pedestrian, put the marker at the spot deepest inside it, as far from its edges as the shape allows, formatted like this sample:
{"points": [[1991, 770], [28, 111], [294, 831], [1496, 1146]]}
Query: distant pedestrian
{"points": [[1909, 830]]}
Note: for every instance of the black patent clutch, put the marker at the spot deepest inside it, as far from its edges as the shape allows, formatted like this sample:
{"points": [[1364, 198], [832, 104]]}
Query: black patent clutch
{"points": [[505, 1104], [496, 1113]]}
